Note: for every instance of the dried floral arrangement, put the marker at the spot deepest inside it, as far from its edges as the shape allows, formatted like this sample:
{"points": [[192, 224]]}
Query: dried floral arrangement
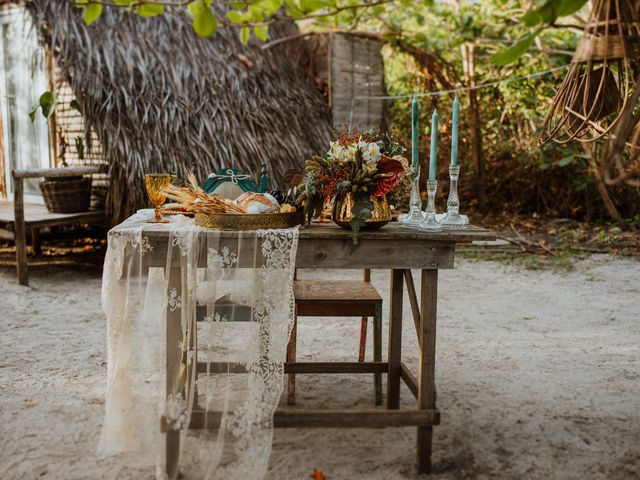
{"points": [[362, 164]]}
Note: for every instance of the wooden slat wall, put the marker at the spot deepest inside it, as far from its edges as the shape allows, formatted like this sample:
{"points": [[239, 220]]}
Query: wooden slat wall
{"points": [[69, 124], [357, 69]]}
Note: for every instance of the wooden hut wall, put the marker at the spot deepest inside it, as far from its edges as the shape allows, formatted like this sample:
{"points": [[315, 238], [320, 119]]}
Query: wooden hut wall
{"points": [[67, 126], [357, 70]]}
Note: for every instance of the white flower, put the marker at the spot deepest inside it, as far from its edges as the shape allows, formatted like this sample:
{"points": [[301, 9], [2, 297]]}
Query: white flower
{"points": [[336, 151], [352, 151], [371, 154]]}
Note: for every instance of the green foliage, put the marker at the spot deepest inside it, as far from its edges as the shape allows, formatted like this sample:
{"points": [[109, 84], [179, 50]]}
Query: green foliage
{"points": [[204, 21], [92, 12], [544, 15], [47, 105], [513, 53], [361, 212]]}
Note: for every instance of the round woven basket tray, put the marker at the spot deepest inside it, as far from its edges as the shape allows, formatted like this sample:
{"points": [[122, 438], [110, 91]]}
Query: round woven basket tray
{"points": [[238, 221]]}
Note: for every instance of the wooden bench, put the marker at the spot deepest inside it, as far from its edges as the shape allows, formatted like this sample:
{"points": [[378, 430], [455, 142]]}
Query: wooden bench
{"points": [[17, 216]]}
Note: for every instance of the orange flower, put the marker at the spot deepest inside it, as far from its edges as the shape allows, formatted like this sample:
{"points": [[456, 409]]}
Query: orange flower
{"points": [[317, 475]]}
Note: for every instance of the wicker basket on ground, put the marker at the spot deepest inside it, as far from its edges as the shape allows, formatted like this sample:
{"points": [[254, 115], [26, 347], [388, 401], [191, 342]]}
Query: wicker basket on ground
{"points": [[67, 194]]}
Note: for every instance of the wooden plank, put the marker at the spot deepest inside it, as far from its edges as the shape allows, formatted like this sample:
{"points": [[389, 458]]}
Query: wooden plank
{"points": [[20, 230], [394, 355], [55, 172], [426, 374], [410, 380], [339, 253], [38, 216], [413, 299], [300, 367], [334, 418]]}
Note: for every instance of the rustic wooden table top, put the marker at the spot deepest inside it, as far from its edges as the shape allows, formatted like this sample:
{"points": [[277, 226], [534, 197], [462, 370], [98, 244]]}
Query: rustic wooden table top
{"points": [[395, 231], [391, 247]]}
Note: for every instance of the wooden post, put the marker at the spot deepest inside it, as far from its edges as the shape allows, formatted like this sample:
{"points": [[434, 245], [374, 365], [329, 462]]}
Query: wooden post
{"points": [[377, 352], [426, 373], [291, 358], [395, 340], [413, 299], [173, 363], [21, 234]]}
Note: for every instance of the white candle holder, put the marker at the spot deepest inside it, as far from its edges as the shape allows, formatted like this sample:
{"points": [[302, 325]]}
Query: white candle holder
{"points": [[415, 216], [453, 219], [430, 223]]}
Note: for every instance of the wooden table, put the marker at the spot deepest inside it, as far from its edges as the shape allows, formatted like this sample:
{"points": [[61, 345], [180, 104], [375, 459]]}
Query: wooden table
{"points": [[393, 248]]}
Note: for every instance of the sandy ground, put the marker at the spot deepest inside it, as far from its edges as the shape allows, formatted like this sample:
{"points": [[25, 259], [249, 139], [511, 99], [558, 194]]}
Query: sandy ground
{"points": [[538, 377]]}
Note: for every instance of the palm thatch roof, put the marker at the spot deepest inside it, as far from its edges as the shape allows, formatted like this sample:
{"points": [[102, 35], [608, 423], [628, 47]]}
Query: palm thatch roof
{"points": [[162, 99]]}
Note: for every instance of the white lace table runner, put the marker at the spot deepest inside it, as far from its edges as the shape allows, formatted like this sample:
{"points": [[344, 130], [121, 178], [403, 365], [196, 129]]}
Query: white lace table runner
{"points": [[231, 294]]}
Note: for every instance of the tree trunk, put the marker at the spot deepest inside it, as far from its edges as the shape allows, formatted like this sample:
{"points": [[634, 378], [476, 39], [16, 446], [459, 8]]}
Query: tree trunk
{"points": [[593, 152], [468, 63]]}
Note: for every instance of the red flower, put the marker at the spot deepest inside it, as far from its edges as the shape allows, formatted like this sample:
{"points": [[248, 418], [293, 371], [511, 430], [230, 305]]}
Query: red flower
{"points": [[392, 171]]}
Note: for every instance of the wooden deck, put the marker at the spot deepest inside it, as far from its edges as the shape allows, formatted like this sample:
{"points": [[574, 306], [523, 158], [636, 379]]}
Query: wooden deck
{"points": [[37, 216]]}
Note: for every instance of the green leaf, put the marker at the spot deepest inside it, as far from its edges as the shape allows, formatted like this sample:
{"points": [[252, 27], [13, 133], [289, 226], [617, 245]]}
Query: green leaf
{"points": [[566, 161], [515, 51], [308, 6], [75, 105], [148, 10], [204, 21], [531, 18], [262, 32], [361, 212], [32, 114], [47, 102], [235, 16], [567, 7], [92, 12], [245, 34]]}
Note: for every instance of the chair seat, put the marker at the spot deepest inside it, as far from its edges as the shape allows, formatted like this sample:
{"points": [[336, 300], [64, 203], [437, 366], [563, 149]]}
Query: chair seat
{"points": [[344, 298]]}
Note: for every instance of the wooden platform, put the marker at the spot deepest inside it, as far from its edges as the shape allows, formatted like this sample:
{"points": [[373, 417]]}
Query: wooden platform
{"points": [[37, 216], [18, 217]]}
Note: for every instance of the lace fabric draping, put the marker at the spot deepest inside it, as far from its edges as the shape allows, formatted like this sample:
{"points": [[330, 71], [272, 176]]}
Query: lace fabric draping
{"points": [[227, 298]]}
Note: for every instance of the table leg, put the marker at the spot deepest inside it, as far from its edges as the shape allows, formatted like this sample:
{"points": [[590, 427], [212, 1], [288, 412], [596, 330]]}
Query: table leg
{"points": [[173, 377], [426, 374], [395, 340]]}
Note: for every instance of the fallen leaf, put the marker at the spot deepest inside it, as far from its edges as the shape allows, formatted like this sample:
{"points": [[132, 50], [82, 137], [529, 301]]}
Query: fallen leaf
{"points": [[317, 475]]}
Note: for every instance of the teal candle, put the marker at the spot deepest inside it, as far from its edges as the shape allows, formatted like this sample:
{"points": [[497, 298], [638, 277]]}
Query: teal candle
{"points": [[415, 138], [433, 154], [454, 133]]}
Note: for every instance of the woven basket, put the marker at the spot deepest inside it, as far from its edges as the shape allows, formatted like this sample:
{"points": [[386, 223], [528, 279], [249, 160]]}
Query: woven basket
{"points": [[67, 194]]}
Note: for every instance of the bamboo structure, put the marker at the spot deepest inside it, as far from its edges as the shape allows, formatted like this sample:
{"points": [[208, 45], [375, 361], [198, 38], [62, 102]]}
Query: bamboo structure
{"points": [[161, 99], [602, 76]]}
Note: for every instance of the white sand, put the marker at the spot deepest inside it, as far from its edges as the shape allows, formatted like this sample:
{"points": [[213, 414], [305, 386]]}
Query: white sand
{"points": [[538, 376]]}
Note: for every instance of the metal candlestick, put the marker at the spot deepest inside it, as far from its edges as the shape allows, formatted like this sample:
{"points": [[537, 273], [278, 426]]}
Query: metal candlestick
{"points": [[430, 223], [415, 215], [453, 219]]}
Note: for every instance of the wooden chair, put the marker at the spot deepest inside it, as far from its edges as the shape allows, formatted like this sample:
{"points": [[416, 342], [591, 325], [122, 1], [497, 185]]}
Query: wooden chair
{"points": [[329, 298]]}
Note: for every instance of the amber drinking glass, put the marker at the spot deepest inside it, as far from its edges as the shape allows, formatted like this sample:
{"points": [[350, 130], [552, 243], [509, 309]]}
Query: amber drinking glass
{"points": [[157, 184]]}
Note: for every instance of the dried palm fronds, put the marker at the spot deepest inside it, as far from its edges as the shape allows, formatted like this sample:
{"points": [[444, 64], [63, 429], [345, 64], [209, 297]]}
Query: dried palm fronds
{"points": [[161, 99], [193, 199], [602, 76]]}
